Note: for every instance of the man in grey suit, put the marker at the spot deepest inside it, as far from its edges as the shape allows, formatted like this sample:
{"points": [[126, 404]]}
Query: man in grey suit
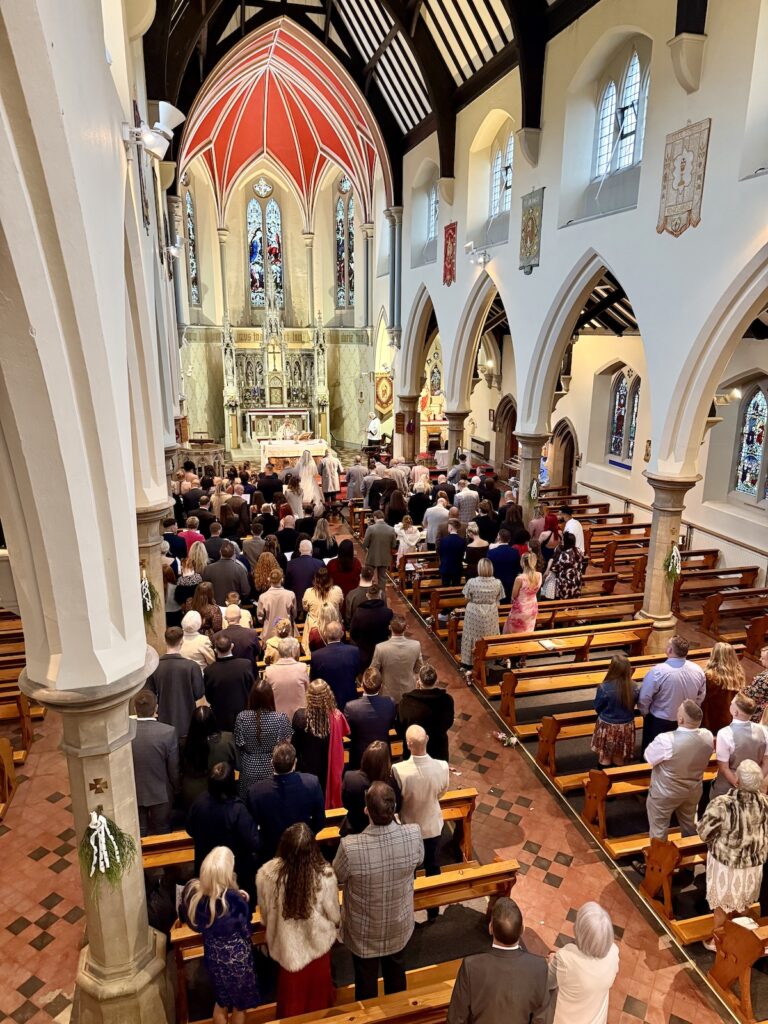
{"points": [[178, 684], [380, 541], [376, 869], [506, 984], [155, 748], [398, 660]]}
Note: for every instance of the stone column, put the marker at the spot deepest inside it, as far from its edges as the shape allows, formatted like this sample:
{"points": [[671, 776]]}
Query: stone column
{"points": [[455, 431], [121, 973], [309, 242], [667, 514], [529, 452], [409, 406], [149, 524], [368, 271], [394, 215], [231, 417]]}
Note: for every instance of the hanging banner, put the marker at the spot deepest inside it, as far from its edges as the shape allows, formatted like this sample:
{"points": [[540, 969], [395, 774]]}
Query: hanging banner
{"points": [[449, 254], [530, 230], [682, 181], [384, 394]]}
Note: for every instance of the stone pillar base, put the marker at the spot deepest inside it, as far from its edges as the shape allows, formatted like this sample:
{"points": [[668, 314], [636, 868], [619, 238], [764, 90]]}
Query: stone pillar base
{"points": [[141, 998], [455, 432]]}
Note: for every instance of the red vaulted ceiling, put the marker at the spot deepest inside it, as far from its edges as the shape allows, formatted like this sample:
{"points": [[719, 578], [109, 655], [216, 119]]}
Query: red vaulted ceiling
{"points": [[280, 94]]}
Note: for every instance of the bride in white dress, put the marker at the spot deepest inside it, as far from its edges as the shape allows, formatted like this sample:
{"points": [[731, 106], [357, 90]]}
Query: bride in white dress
{"points": [[307, 471]]}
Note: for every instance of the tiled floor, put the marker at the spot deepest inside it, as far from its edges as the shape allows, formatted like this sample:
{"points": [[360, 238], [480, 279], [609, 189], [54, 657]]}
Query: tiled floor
{"points": [[41, 917]]}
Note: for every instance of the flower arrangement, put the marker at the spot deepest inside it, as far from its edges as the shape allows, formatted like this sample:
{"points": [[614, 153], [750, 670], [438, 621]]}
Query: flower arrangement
{"points": [[106, 852], [149, 597], [533, 490], [673, 565]]}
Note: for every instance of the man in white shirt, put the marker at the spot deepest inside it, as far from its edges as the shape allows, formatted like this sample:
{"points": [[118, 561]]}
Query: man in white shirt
{"points": [[433, 517], [679, 760], [742, 740], [374, 429], [570, 525], [422, 780]]}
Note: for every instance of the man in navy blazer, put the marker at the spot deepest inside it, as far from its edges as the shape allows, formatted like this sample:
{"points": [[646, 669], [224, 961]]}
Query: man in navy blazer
{"points": [[506, 562], [301, 571], [338, 664], [450, 550], [284, 800], [370, 717]]}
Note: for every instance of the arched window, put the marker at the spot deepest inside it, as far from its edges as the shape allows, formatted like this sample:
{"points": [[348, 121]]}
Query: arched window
{"points": [[255, 232], [751, 471], [344, 245], [194, 280], [606, 128], [509, 156], [496, 183], [625, 403], [275, 249], [433, 212], [629, 112]]}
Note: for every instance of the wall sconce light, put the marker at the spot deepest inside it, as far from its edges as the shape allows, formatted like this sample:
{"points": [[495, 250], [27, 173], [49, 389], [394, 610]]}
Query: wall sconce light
{"points": [[480, 257], [155, 140], [174, 251], [725, 398]]}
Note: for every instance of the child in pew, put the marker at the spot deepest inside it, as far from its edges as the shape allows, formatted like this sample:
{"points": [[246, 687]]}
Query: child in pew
{"points": [[615, 700]]}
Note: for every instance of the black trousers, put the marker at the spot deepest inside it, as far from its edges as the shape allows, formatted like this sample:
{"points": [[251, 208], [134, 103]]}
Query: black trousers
{"points": [[155, 820], [653, 727], [431, 867], [367, 974], [451, 579]]}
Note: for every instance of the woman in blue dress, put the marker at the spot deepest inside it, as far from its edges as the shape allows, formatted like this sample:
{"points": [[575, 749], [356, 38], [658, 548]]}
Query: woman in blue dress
{"points": [[214, 906]]}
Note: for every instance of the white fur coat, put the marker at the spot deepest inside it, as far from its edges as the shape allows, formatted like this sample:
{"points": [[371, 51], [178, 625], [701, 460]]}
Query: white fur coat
{"points": [[294, 944]]}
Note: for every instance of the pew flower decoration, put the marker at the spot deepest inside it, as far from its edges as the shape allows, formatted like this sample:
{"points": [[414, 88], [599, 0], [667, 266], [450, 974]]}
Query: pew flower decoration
{"points": [[149, 597], [533, 490], [106, 852], [673, 564]]}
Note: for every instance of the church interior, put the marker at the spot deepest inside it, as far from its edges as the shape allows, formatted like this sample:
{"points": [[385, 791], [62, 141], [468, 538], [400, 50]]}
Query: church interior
{"points": [[525, 238]]}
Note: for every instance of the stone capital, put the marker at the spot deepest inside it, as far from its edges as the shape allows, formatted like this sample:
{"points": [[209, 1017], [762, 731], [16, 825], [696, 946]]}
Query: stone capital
{"points": [[394, 214], [531, 444], [223, 234], [669, 492], [408, 401], [309, 238], [456, 419], [368, 229], [687, 52]]}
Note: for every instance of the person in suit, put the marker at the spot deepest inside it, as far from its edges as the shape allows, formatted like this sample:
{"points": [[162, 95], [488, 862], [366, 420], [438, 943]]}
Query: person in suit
{"points": [[380, 542], [177, 682], [301, 571], [287, 535], [205, 518], [155, 747], [219, 817], [176, 544], [338, 663], [227, 574], [398, 660], [355, 476], [370, 717], [359, 594], [228, 683], [442, 485], [370, 624], [431, 707], [376, 869], [215, 542], [505, 984], [285, 799], [253, 547], [450, 550], [245, 642], [505, 560]]}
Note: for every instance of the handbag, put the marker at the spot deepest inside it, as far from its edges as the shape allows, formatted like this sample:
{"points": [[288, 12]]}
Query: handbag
{"points": [[549, 586]]}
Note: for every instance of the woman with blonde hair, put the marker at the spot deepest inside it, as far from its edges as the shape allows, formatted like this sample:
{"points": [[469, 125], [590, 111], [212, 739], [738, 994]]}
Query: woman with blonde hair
{"points": [[299, 904], [484, 594], [725, 678], [214, 906], [318, 635], [323, 544], [275, 604], [198, 556], [476, 549], [322, 592], [283, 629], [408, 537], [318, 736], [218, 497], [525, 607]]}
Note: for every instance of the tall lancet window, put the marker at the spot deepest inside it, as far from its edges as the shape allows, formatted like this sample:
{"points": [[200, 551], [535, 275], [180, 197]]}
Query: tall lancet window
{"points": [[254, 225], [749, 460], [344, 244], [194, 280], [341, 268], [625, 405], [275, 250], [351, 250]]}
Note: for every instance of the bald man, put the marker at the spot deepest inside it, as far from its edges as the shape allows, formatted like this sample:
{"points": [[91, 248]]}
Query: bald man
{"points": [[422, 780]]}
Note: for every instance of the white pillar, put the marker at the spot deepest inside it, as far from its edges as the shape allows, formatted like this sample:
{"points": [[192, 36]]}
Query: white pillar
{"points": [[309, 243], [394, 215], [368, 271]]}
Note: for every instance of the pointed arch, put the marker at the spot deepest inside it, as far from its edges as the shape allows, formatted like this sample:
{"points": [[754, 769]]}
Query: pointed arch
{"points": [[414, 342], [468, 333]]}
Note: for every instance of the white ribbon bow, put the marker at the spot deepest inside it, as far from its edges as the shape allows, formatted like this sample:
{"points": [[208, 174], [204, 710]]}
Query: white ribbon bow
{"points": [[99, 835]]}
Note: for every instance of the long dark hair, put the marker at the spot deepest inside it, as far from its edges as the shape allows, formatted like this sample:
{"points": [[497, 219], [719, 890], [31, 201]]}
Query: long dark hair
{"points": [[620, 674], [322, 582], [346, 556], [301, 865], [202, 727], [202, 598], [261, 699], [376, 762]]}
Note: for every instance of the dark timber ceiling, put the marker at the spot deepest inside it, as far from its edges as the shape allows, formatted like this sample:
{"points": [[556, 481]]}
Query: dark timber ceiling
{"points": [[416, 61]]}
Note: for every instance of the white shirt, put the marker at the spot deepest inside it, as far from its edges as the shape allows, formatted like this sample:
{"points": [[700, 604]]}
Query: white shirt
{"points": [[583, 984], [662, 748], [725, 743], [574, 526], [374, 429]]}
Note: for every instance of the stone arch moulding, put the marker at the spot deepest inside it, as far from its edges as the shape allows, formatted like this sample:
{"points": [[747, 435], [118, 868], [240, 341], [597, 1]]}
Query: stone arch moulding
{"points": [[556, 332], [466, 341], [415, 341], [706, 364]]}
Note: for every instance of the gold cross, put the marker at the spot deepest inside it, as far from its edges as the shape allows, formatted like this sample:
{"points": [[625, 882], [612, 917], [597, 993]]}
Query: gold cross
{"points": [[98, 786]]}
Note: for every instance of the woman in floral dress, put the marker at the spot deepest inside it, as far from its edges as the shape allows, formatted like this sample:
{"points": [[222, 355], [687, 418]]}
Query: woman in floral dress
{"points": [[484, 594], [525, 607], [566, 568], [258, 730]]}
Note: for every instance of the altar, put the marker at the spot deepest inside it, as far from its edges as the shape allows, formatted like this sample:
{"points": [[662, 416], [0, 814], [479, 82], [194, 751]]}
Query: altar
{"points": [[281, 452]]}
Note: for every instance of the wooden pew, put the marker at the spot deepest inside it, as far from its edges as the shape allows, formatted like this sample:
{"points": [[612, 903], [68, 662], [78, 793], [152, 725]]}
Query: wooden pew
{"points": [[452, 598], [177, 848], [697, 584], [446, 889], [566, 726], [557, 496], [604, 518], [750, 605], [14, 707], [737, 950], [8, 783], [597, 537], [576, 640]]}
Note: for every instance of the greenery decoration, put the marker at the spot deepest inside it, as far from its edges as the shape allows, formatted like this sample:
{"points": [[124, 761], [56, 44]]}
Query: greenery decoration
{"points": [[673, 564], [149, 597], [533, 491], [106, 852]]}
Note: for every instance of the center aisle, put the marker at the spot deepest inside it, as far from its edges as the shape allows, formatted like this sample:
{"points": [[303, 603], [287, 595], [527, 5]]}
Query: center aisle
{"points": [[517, 816]]}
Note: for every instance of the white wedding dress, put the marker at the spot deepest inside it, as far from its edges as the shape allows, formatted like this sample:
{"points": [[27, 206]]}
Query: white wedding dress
{"points": [[310, 489]]}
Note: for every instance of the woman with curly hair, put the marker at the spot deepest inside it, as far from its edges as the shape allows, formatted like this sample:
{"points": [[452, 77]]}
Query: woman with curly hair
{"points": [[725, 678], [266, 564], [323, 592], [204, 602], [299, 904], [318, 736]]}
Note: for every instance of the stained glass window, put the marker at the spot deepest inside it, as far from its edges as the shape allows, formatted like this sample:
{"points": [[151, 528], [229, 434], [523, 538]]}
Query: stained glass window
{"points": [[633, 421], [275, 249], [496, 182], [194, 281], [752, 439], [341, 276], [605, 131], [351, 251], [509, 156], [433, 210], [619, 416], [345, 185], [255, 252], [628, 111]]}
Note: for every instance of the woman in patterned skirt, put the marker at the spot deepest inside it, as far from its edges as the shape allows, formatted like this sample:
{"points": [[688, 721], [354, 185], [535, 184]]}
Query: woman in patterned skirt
{"points": [[614, 737], [484, 594], [214, 906], [566, 568], [258, 730]]}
